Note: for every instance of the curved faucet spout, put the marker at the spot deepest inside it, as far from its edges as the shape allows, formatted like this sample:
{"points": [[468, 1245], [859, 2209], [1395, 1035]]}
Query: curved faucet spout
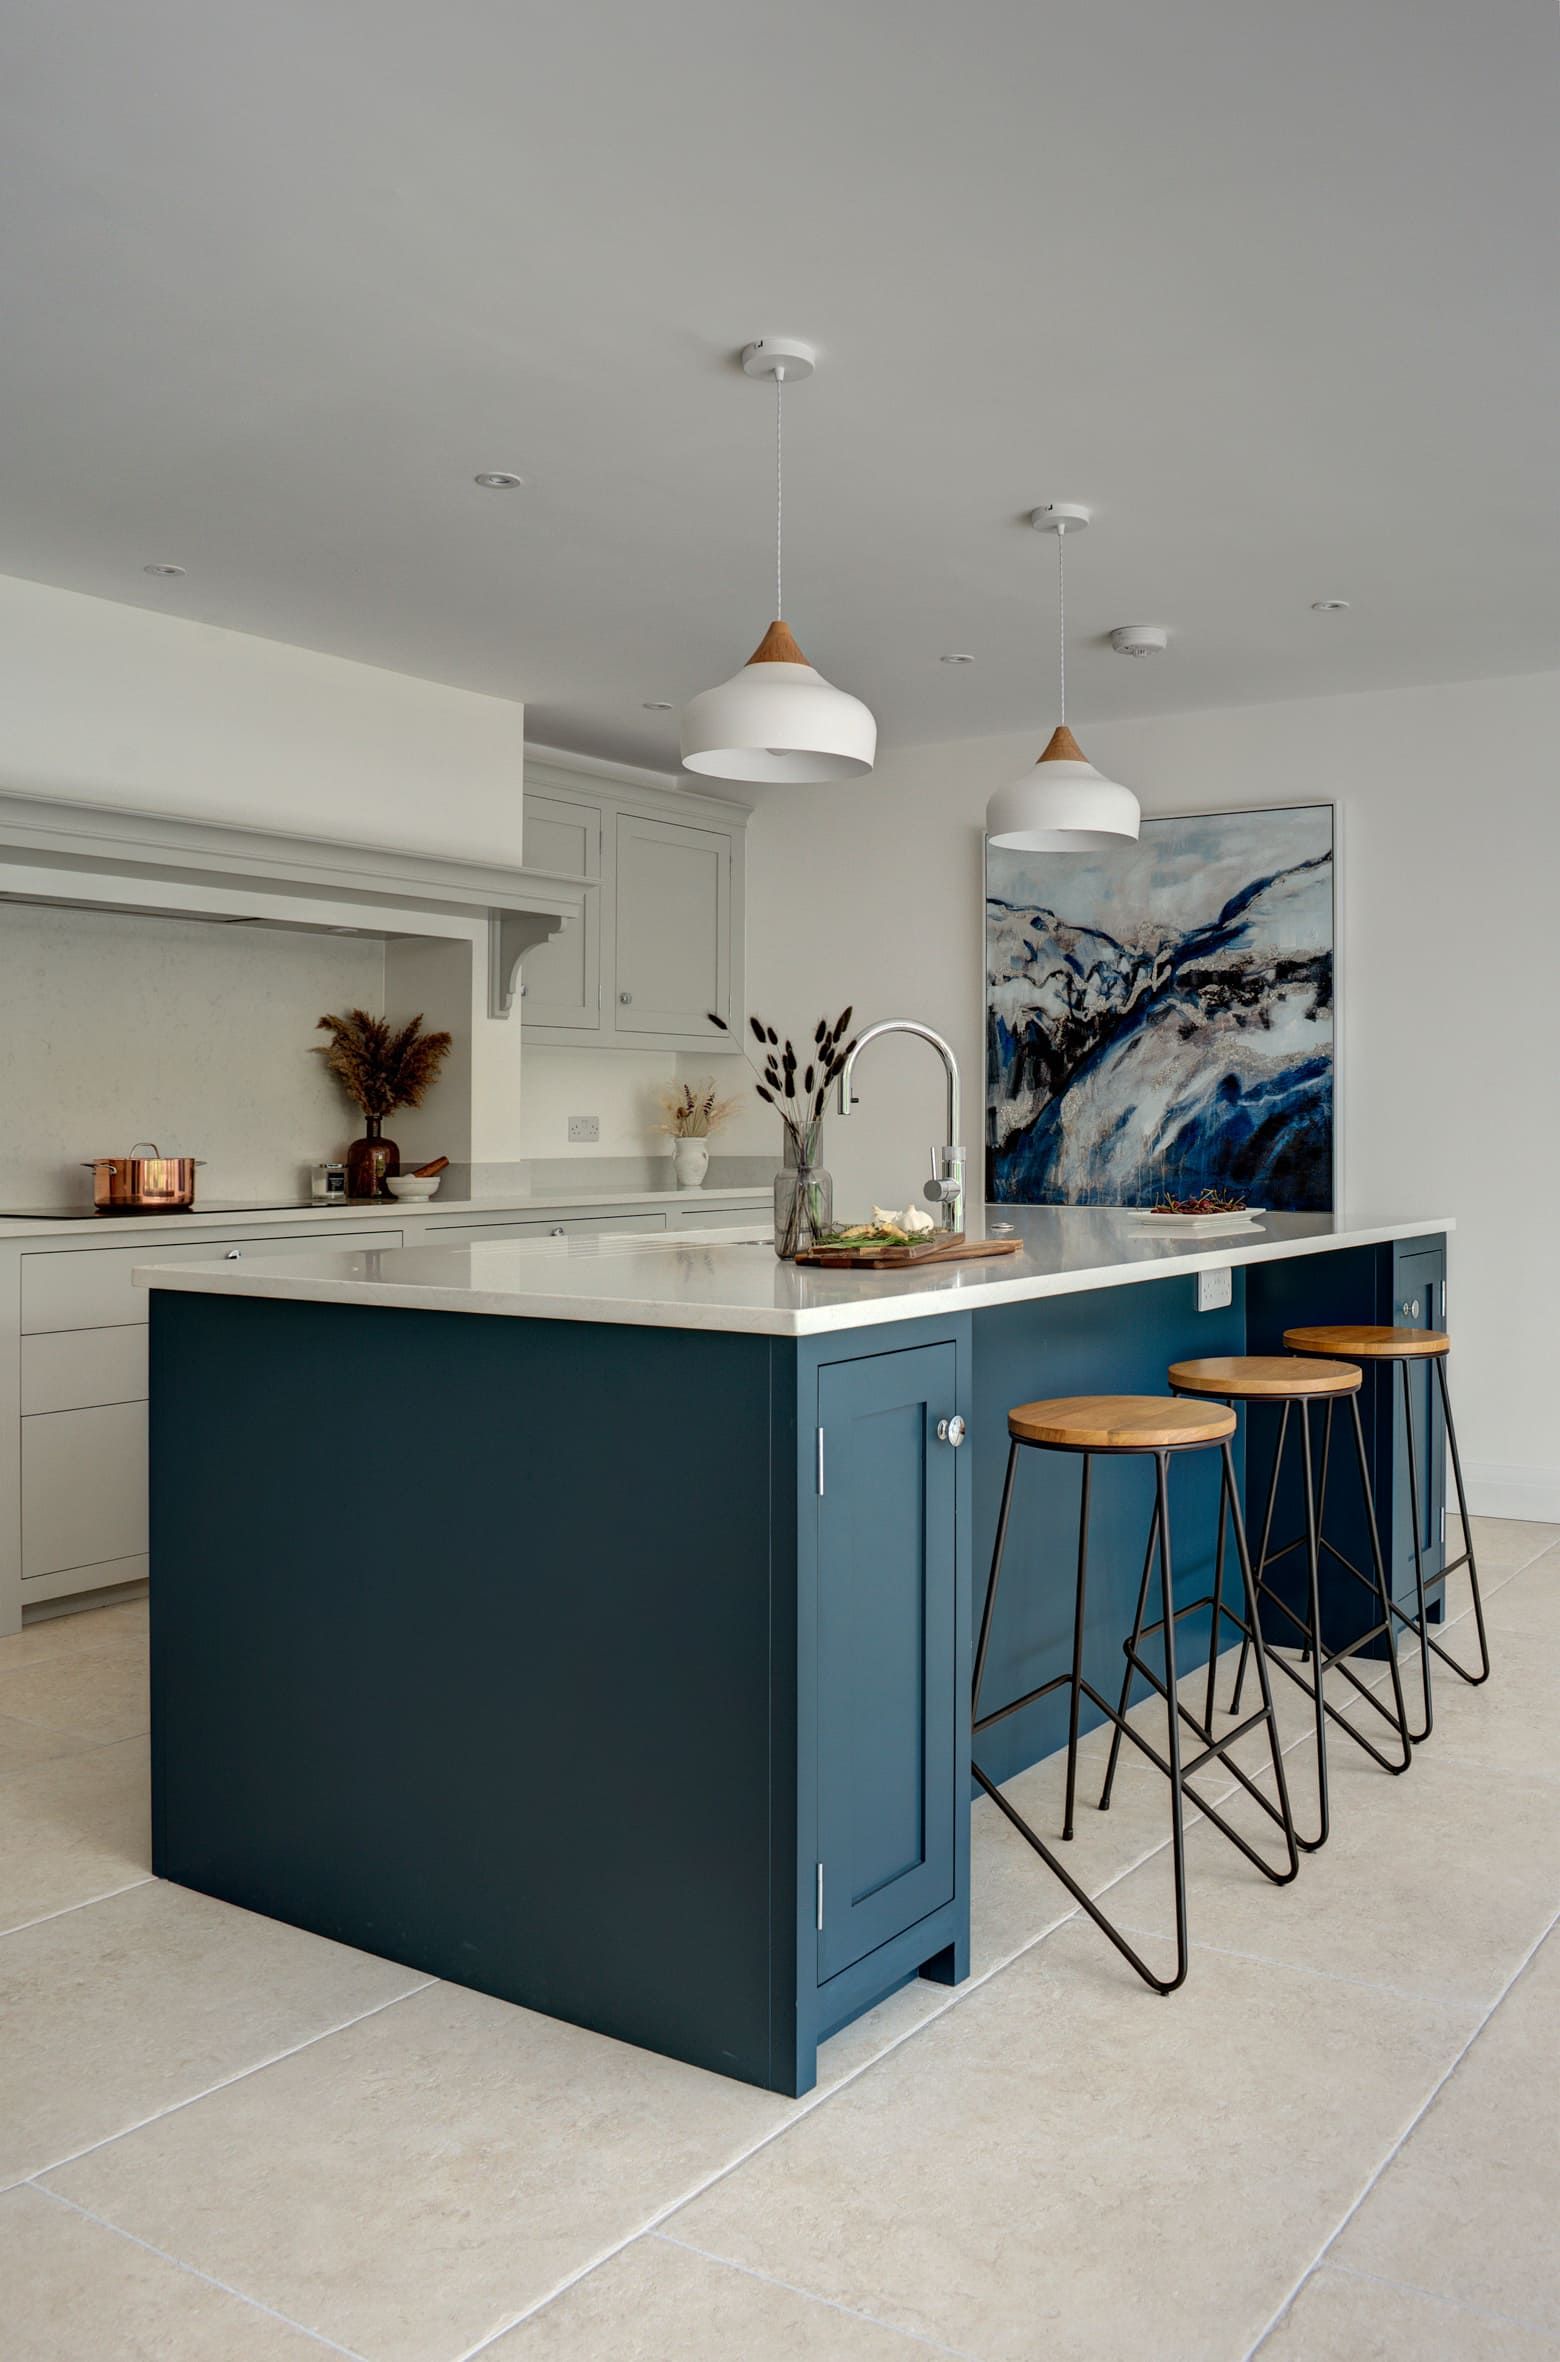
{"points": [[946, 1187]]}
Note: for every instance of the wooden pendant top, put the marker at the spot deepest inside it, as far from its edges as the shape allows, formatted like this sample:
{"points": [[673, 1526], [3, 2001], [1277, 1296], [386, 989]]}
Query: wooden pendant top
{"points": [[1062, 747], [777, 647]]}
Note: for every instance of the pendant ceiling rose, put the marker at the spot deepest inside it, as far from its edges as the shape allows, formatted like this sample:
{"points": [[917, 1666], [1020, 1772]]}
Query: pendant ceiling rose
{"points": [[778, 721]]}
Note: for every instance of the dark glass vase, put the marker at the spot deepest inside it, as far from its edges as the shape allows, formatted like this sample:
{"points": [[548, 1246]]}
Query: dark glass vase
{"points": [[371, 1161]]}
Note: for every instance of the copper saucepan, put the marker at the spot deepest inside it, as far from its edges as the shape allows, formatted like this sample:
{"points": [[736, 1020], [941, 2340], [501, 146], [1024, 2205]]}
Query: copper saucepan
{"points": [[143, 1182]]}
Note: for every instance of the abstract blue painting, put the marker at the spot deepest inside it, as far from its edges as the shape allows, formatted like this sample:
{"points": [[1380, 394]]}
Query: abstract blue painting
{"points": [[1160, 1019]]}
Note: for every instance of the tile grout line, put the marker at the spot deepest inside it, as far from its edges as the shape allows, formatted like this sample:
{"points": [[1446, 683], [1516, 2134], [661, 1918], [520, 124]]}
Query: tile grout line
{"points": [[144, 1878], [1455, 2304], [815, 2296], [61, 1731], [35, 2179], [1400, 2143], [193, 2271]]}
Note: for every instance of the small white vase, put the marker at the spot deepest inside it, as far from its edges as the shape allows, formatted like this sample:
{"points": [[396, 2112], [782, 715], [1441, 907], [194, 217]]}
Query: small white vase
{"points": [[691, 1159]]}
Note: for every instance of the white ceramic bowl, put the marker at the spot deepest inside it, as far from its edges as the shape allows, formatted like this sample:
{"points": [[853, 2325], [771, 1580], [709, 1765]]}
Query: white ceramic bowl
{"points": [[416, 1188]]}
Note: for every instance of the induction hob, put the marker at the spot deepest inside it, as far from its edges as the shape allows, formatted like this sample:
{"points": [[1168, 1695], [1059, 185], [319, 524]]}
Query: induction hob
{"points": [[206, 1205]]}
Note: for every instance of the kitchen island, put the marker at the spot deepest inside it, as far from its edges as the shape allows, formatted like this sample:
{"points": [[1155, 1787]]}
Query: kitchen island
{"points": [[588, 1620]]}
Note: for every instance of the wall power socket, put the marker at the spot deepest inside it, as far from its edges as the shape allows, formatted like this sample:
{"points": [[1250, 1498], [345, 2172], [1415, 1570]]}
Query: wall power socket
{"points": [[584, 1128], [1215, 1289]]}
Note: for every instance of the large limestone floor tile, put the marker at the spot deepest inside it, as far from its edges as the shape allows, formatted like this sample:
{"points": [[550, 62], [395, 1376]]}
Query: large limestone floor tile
{"points": [[1341, 2317], [87, 1633], [24, 1743], [1067, 2166], [1507, 1723], [1529, 1604], [657, 2302], [75, 2292], [101, 1694], [866, 2038], [73, 1829], [126, 2007], [1502, 1545], [1438, 1883], [1470, 2206], [412, 2185]]}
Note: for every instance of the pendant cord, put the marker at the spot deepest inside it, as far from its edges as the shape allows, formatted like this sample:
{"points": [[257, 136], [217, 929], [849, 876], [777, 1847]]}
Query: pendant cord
{"points": [[779, 494], [1061, 614]]}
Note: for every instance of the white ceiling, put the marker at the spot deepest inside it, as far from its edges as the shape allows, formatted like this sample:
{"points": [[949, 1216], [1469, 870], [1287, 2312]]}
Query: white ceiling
{"points": [[1270, 283]]}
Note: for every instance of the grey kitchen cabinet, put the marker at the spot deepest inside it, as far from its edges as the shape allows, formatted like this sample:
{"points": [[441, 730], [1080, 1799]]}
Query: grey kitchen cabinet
{"points": [[660, 943], [465, 1234], [561, 979]]}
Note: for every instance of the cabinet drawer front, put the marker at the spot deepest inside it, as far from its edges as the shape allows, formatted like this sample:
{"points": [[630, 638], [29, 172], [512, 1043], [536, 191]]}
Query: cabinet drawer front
{"points": [[79, 1369], [888, 1718], [546, 1226], [90, 1287], [83, 1487]]}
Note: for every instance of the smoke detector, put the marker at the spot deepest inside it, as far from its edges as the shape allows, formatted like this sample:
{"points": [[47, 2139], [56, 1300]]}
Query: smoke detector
{"points": [[1140, 639]]}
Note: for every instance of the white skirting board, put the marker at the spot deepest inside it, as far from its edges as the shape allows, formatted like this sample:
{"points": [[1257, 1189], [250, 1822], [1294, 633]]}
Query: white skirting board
{"points": [[1503, 1488]]}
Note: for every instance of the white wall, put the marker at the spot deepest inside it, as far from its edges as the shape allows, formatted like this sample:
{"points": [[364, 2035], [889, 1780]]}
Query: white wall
{"points": [[1450, 868], [119, 705], [198, 1036]]}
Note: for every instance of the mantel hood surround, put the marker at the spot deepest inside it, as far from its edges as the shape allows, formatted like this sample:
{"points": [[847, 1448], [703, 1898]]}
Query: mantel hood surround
{"points": [[99, 857]]}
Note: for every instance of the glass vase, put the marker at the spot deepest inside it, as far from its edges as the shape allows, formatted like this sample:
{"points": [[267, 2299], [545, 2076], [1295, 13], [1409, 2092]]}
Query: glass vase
{"points": [[804, 1208]]}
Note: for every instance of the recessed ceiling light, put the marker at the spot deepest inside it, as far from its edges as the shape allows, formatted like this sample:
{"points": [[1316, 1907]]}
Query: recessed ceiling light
{"points": [[498, 480], [657, 705], [957, 656], [1328, 606], [162, 569]]}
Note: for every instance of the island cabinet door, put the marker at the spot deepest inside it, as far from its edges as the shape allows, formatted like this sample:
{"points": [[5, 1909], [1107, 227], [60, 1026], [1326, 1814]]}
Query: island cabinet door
{"points": [[887, 1649], [1418, 1285]]}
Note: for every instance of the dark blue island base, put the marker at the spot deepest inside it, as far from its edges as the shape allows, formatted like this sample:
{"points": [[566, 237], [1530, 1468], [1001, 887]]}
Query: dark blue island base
{"points": [[531, 1654]]}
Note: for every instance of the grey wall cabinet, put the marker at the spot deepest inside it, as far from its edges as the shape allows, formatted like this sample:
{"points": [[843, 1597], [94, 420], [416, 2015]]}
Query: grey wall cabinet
{"points": [[660, 942]]}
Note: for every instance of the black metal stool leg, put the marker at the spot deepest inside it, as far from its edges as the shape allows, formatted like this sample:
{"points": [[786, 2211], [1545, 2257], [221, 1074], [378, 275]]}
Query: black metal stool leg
{"points": [[1423, 1624], [1383, 1593], [1132, 1648], [1314, 1594], [1076, 1682], [1259, 1652], [1173, 1720], [1262, 1554], [1473, 1679], [992, 1581], [1210, 1701]]}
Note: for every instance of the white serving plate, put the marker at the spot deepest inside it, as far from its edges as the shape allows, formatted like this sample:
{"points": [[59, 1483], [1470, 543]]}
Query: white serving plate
{"points": [[1198, 1225]]}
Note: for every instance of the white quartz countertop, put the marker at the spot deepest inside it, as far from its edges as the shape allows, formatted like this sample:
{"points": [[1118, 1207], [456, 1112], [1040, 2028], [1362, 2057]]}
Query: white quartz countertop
{"points": [[132, 1229], [731, 1280]]}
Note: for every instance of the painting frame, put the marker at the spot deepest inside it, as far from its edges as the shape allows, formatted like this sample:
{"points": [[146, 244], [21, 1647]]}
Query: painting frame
{"points": [[1246, 807]]}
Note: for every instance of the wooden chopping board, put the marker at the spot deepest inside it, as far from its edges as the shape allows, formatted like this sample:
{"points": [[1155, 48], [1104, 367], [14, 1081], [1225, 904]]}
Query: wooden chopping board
{"points": [[957, 1249]]}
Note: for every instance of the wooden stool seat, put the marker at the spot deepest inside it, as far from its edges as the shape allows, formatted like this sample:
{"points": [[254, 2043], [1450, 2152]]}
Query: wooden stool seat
{"points": [[1263, 1377], [1368, 1344], [1120, 1423]]}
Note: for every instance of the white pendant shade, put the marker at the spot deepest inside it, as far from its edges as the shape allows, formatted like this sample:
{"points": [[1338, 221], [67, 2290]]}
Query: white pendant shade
{"points": [[1061, 804], [778, 720]]}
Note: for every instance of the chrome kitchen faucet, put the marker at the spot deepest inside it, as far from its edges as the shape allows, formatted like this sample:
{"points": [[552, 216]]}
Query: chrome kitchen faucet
{"points": [[946, 1186]]}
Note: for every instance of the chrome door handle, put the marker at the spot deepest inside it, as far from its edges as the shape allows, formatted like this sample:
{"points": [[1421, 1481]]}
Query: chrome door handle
{"points": [[952, 1430]]}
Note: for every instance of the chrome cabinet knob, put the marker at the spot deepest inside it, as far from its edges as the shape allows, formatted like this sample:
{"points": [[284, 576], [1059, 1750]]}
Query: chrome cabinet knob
{"points": [[1410, 1311], [234, 1255], [559, 1232], [625, 998], [951, 1431]]}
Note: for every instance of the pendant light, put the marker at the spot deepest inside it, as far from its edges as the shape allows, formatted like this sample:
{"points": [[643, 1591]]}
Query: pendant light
{"points": [[778, 719], [1062, 804]]}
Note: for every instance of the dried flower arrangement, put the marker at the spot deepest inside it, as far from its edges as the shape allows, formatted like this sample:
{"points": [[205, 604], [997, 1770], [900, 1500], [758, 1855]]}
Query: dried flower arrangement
{"points": [[797, 1087], [692, 1112], [380, 1069]]}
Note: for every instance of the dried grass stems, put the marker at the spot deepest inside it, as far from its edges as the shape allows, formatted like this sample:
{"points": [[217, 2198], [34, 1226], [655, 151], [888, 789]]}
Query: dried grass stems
{"points": [[378, 1067], [797, 1087], [693, 1110]]}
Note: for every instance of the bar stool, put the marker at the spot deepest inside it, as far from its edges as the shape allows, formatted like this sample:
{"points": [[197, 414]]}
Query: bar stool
{"points": [[1093, 1425], [1296, 1384], [1405, 1346]]}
